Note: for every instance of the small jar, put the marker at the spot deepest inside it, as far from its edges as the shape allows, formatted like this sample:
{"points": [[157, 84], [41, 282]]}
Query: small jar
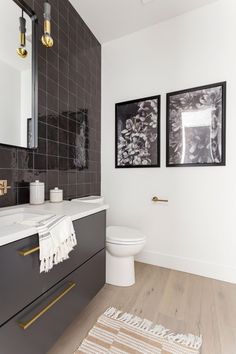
{"points": [[56, 195], [37, 192]]}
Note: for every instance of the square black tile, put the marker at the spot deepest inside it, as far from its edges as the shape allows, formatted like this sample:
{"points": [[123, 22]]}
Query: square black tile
{"points": [[8, 157], [53, 163], [63, 163], [52, 148], [40, 162], [52, 133], [63, 150]]}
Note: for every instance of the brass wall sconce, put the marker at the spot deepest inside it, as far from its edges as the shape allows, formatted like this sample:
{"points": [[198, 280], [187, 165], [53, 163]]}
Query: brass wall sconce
{"points": [[46, 37], [21, 51]]}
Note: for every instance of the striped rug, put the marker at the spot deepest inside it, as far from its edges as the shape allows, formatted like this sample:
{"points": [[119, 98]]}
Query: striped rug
{"points": [[120, 333]]}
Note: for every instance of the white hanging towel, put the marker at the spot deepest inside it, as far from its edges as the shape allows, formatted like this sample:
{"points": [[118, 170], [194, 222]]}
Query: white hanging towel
{"points": [[56, 240]]}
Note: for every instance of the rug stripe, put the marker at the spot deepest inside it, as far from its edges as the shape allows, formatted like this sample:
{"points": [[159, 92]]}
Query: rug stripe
{"points": [[125, 348], [141, 338], [137, 344]]}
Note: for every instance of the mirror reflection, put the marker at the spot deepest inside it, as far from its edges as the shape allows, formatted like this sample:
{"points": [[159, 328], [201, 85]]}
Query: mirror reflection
{"points": [[16, 76]]}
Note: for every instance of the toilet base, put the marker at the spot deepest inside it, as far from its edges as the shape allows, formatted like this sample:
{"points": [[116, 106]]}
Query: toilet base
{"points": [[120, 270]]}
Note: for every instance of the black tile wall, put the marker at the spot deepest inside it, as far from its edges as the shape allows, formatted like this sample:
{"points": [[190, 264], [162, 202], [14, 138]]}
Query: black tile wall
{"points": [[69, 88]]}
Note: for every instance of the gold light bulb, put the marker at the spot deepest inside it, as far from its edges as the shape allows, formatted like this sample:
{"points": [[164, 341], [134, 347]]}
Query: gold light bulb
{"points": [[47, 40], [21, 51]]}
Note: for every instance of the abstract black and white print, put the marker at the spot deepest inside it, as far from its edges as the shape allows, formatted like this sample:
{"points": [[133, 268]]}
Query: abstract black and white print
{"points": [[196, 126], [138, 133]]}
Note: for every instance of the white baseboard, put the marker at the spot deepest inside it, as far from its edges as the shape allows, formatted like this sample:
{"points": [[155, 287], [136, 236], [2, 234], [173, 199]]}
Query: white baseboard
{"points": [[188, 265]]}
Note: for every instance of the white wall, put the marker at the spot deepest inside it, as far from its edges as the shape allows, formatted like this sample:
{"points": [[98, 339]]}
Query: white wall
{"points": [[196, 231]]}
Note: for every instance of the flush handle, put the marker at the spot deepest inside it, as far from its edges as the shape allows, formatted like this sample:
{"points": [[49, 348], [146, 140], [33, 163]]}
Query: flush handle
{"points": [[156, 199]]}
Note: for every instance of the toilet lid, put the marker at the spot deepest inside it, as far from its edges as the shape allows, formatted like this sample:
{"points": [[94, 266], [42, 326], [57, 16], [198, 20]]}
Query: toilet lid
{"points": [[124, 235]]}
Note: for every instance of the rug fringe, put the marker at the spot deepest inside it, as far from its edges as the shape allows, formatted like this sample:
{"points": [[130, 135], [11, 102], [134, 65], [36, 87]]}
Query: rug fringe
{"points": [[189, 340]]}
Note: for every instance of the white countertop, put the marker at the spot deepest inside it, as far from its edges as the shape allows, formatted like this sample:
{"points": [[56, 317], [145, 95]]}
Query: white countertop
{"points": [[74, 209]]}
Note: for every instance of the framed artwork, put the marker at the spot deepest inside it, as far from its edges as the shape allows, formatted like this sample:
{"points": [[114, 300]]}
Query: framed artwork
{"points": [[195, 127], [137, 133]]}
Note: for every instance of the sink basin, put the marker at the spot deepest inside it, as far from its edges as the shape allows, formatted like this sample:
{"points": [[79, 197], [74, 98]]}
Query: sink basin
{"points": [[96, 199], [15, 216]]}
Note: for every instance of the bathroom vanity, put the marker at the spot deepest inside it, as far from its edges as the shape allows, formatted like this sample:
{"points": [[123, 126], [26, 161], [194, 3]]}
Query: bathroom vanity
{"points": [[36, 308]]}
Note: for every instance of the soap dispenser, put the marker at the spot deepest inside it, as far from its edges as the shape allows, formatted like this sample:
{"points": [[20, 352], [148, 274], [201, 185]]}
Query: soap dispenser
{"points": [[37, 192]]}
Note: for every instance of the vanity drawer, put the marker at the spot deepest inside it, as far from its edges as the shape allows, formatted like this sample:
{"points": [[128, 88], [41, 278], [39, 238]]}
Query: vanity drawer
{"points": [[70, 296], [21, 282], [91, 236]]}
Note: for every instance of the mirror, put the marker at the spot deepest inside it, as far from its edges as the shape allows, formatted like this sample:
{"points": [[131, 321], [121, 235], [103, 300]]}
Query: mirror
{"points": [[18, 84]]}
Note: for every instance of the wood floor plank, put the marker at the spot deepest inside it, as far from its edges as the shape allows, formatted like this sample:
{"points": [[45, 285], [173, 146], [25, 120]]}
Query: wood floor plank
{"points": [[174, 295], [179, 301], [225, 300], [208, 321], [146, 302]]}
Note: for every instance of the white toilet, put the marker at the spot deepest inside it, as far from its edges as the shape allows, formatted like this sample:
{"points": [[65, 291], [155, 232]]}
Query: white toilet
{"points": [[122, 244]]}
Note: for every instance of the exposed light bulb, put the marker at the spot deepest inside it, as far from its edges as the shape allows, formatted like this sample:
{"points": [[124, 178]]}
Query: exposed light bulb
{"points": [[47, 40], [21, 51]]}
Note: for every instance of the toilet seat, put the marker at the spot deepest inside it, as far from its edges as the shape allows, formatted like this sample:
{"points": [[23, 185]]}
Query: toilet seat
{"points": [[124, 236]]}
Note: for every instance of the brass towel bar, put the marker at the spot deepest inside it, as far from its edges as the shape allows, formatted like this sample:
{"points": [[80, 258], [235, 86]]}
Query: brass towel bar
{"points": [[25, 325], [156, 199], [28, 251]]}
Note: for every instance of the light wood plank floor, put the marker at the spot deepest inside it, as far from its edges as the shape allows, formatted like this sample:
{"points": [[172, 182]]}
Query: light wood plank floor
{"points": [[179, 301]]}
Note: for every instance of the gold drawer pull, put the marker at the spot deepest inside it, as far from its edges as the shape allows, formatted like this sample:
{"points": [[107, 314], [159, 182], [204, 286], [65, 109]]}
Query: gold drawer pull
{"points": [[156, 199], [25, 325], [28, 251]]}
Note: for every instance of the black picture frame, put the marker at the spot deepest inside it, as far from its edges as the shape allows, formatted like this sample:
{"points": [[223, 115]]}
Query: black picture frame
{"points": [[125, 111], [196, 98]]}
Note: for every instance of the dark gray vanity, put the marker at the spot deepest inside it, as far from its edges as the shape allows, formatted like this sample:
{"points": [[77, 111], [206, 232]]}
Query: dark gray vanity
{"points": [[36, 308]]}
